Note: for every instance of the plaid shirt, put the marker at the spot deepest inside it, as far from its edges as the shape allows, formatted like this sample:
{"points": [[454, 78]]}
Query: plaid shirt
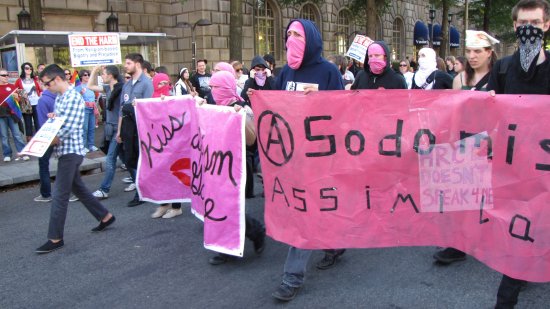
{"points": [[70, 105]]}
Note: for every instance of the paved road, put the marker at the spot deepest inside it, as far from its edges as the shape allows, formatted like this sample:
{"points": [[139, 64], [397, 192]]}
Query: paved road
{"points": [[160, 263]]}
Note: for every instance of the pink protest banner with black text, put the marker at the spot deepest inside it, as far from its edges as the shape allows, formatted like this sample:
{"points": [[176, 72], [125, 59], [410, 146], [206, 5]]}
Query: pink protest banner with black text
{"points": [[190, 153], [387, 168]]}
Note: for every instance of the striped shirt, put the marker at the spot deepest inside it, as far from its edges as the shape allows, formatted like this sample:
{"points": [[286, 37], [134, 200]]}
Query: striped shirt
{"points": [[71, 106]]}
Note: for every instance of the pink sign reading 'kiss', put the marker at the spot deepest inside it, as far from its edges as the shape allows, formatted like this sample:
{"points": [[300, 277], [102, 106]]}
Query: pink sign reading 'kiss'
{"points": [[386, 168]]}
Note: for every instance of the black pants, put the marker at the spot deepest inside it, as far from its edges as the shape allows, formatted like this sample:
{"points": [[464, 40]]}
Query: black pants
{"points": [[249, 187], [508, 292], [254, 228]]}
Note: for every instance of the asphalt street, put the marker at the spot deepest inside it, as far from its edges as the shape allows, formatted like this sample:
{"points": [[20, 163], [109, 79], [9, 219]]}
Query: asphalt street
{"points": [[160, 263]]}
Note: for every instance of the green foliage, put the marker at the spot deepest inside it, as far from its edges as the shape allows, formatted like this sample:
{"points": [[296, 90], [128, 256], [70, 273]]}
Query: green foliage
{"points": [[500, 17]]}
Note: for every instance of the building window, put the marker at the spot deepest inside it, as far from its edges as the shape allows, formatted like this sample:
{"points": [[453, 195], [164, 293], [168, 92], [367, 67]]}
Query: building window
{"points": [[398, 40], [342, 32], [309, 12], [265, 32]]}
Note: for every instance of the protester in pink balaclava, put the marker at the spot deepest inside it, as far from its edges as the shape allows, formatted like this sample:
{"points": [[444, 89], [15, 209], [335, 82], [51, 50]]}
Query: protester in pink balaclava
{"points": [[224, 87], [161, 84], [224, 66], [295, 45]]}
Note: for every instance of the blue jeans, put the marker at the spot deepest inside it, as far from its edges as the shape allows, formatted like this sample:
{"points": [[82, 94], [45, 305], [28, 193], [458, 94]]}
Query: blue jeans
{"points": [[44, 172], [5, 124], [133, 174], [67, 180], [295, 266], [110, 166], [89, 128]]}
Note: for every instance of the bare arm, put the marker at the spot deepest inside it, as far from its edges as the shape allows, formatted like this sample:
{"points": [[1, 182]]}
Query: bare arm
{"points": [[92, 83]]}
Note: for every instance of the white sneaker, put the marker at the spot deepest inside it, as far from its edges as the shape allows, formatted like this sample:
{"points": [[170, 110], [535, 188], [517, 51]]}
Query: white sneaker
{"points": [[86, 150], [73, 198], [40, 198], [172, 213], [131, 187], [94, 148], [127, 180], [100, 194], [26, 158], [161, 210], [7, 159]]}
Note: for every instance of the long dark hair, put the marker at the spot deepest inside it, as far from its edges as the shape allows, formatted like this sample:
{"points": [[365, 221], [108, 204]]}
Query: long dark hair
{"points": [[470, 71], [23, 75]]}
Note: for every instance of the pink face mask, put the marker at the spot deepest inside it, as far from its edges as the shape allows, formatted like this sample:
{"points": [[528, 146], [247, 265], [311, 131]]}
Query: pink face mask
{"points": [[295, 47], [376, 65], [224, 88], [260, 78]]}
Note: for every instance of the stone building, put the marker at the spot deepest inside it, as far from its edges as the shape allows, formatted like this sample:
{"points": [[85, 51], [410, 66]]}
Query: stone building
{"points": [[262, 32]]}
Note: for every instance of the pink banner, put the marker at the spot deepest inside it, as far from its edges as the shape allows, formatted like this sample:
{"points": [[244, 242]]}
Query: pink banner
{"points": [[388, 168], [196, 154]]}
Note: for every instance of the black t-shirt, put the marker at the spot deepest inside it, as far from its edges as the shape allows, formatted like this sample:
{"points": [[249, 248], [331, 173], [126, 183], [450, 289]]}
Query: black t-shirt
{"points": [[201, 84], [507, 77]]}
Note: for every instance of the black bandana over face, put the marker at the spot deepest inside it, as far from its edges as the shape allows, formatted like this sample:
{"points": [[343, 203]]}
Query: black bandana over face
{"points": [[530, 44]]}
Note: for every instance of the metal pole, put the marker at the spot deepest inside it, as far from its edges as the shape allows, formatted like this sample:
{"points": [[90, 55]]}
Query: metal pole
{"points": [[193, 47]]}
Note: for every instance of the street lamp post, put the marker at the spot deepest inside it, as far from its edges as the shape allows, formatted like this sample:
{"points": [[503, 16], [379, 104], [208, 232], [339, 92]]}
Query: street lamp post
{"points": [[432, 17], [201, 22], [450, 19]]}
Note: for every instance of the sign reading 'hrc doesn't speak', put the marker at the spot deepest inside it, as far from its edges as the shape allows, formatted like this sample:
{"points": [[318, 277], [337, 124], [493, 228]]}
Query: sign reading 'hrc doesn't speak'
{"points": [[385, 168]]}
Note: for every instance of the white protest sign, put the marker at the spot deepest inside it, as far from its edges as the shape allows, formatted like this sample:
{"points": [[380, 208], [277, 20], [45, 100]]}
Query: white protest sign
{"points": [[43, 138], [358, 48], [94, 48]]}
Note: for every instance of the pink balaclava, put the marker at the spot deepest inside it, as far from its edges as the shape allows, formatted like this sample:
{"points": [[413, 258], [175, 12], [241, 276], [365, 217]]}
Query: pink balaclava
{"points": [[377, 66], [163, 89], [224, 88], [295, 47], [224, 66]]}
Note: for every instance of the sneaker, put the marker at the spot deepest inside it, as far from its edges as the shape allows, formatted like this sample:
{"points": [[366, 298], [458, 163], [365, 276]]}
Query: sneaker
{"points": [[40, 198], [100, 194], [25, 158], [73, 198], [219, 259], [449, 255], [123, 166], [49, 246], [171, 213], [128, 180], [86, 150], [161, 210], [7, 159], [330, 258], [94, 148], [285, 292], [103, 225], [130, 188], [135, 202]]}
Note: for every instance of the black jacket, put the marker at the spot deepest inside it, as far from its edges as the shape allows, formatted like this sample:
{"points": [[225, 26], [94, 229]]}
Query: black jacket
{"points": [[388, 79]]}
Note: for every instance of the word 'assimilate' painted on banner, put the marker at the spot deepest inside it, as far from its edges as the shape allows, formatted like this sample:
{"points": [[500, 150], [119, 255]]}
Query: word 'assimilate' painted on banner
{"points": [[196, 154], [410, 168]]}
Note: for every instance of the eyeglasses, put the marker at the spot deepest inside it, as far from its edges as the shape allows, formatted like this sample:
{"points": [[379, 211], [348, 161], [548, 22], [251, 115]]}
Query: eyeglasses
{"points": [[47, 84], [85, 75], [67, 74], [127, 77], [27, 68], [4, 75], [402, 65]]}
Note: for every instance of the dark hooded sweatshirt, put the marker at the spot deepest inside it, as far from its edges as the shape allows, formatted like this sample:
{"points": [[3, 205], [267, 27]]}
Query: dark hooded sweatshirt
{"points": [[388, 79], [314, 68], [251, 82]]}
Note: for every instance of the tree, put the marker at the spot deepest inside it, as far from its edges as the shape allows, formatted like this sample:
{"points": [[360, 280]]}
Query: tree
{"points": [[236, 30], [35, 9], [495, 19]]}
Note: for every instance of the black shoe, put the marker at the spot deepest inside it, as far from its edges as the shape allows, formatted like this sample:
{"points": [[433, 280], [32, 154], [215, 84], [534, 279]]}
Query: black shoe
{"points": [[219, 259], [285, 292], [330, 258], [449, 255], [259, 244], [103, 225], [49, 246], [135, 202]]}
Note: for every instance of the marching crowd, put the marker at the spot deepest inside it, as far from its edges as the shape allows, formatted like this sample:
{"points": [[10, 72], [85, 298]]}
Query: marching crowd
{"points": [[53, 91]]}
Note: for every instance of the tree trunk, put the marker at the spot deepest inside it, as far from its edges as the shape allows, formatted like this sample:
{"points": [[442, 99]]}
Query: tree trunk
{"points": [[372, 19], [35, 9], [444, 30], [236, 30], [486, 15], [466, 25]]}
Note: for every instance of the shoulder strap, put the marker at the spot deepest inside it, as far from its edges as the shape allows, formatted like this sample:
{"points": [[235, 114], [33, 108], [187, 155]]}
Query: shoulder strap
{"points": [[482, 82]]}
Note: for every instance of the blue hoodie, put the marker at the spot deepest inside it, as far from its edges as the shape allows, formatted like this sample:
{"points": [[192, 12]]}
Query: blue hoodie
{"points": [[46, 105], [314, 68]]}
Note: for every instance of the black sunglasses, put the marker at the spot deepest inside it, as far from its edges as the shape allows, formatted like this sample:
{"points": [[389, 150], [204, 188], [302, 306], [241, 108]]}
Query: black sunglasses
{"points": [[85, 75], [402, 65], [4, 75], [47, 84]]}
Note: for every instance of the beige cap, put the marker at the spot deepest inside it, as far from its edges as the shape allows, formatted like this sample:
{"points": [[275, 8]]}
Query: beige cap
{"points": [[479, 39]]}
